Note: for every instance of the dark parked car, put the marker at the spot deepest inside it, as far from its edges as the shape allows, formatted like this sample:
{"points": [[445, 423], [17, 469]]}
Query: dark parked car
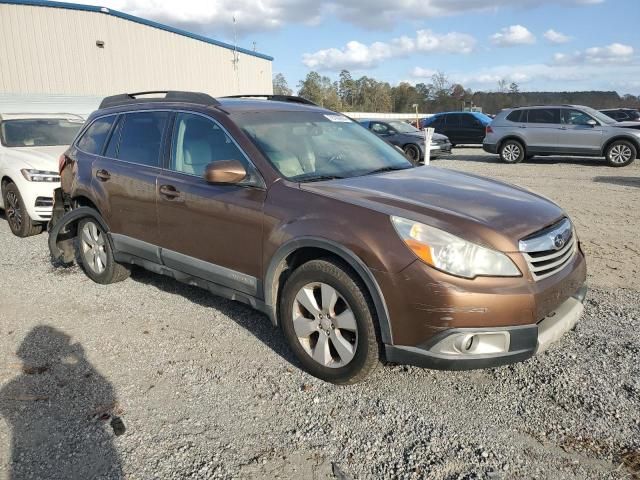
{"points": [[623, 114], [330, 231], [408, 138], [459, 127]]}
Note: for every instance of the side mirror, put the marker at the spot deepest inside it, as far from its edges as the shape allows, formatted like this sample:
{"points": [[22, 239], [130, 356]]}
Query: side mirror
{"points": [[225, 171], [592, 123]]}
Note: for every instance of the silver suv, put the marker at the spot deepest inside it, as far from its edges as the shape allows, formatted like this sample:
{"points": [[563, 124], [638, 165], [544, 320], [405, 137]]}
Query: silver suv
{"points": [[521, 133]]}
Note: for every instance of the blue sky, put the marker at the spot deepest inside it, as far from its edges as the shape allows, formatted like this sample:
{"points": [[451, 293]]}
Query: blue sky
{"points": [[593, 44]]}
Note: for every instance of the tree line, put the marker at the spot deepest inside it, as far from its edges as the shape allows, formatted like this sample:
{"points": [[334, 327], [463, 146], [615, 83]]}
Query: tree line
{"points": [[366, 94]]}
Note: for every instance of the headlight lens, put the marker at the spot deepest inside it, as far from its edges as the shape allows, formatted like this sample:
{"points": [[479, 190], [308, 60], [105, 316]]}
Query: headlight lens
{"points": [[40, 175], [452, 254]]}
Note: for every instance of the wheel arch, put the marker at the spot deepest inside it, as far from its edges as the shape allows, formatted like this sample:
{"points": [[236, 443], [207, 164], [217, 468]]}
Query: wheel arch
{"points": [[513, 137], [69, 223], [630, 139], [298, 251]]}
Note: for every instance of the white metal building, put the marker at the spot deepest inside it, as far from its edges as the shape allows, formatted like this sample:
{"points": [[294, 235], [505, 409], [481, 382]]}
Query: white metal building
{"points": [[70, 49]]}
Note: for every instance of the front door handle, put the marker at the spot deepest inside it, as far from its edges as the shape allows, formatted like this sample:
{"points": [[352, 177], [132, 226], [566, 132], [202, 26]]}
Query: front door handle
{"points": [[169, 192], [522, 126], [562, 128], [103, 175]]}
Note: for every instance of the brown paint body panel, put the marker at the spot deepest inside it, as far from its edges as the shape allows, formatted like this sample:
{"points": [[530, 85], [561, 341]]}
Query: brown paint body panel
{"points": [[244, 228]]}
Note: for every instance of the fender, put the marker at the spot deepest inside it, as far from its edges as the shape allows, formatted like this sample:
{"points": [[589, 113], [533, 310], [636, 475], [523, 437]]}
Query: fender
{"points": [[277, 262], [69, 219]]}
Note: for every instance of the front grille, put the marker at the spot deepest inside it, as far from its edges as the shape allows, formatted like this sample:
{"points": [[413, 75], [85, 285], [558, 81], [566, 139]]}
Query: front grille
{"points": [[549, 251]]}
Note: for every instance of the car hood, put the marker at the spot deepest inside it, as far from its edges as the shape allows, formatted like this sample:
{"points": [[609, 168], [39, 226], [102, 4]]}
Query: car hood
{"points": [[420, 136], [38, 158], [634, 124], [477, 209]]}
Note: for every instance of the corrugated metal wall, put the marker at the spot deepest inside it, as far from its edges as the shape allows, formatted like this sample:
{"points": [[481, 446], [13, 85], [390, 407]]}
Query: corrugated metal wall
{"points": [[53, 50]]}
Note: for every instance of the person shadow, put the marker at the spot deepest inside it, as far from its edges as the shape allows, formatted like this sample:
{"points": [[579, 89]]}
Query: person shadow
{"points": [[62, 413]]}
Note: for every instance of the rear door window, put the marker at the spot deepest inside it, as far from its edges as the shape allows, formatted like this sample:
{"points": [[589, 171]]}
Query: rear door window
{"points": [[92, 140], [544, 115], [141, 137], [454, 119]]}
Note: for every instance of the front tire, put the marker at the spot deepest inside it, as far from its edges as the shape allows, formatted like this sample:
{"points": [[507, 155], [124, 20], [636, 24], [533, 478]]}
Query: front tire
{"points": [[95, 255], [328, 321], [512, 151], [15, 210], [413, 153], [621, 153]]}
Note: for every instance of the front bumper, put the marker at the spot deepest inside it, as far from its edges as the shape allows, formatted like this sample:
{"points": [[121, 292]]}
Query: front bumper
{"points": [[518, 342], [440, 149], [37, 198]]}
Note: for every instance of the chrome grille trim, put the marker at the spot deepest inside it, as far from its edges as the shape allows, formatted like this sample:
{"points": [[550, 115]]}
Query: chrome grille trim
{"points": [[541, 253]]}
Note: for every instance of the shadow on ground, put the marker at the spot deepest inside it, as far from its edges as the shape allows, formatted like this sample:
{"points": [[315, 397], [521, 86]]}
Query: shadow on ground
{"points": [[482, 157], [251, 320], [622, 181], [62, 413]]}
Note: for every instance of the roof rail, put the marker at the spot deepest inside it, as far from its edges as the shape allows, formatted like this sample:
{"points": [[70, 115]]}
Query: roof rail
{"points": [[276, 98], [169, 96]]}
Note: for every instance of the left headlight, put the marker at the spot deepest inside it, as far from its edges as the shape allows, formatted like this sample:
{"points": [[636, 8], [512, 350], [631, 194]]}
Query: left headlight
{"points": [[40, 175], [452, 254]]}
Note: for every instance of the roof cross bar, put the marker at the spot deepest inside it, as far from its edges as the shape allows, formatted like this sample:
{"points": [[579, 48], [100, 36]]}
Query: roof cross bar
{"points": [[169, 96]]}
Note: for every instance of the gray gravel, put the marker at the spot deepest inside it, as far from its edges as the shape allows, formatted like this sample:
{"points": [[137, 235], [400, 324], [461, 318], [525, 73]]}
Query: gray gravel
{"points": [[205, 388]]}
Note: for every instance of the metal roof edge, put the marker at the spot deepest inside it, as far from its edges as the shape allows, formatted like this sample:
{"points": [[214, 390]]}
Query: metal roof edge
{"points": [[133, 18]]}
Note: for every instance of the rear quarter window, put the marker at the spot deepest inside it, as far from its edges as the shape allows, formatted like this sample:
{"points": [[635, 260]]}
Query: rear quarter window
{"points": [[92, 140], [515, 116]]}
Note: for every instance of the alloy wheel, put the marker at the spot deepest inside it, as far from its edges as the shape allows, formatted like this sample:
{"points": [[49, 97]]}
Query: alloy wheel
{"points": [[93, 251], [412, 153], [325, 325], [511, 152], [620, 154], [13, 211]]}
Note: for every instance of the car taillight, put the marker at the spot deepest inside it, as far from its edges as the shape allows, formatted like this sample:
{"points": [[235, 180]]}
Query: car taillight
{"points": [[489, 130], [61, 162]]}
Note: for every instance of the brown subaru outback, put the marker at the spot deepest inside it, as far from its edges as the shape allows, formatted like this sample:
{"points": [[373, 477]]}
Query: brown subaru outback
{"points": [[305, 215]]}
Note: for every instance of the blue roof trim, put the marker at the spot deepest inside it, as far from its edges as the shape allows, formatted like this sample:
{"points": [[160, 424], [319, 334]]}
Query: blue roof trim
{"points": [[132, 18]]}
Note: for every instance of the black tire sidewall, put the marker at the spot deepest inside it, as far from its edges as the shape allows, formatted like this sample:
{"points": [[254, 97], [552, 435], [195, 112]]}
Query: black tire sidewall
{"points": [[356, 299], [416, 150], [27, 228], [107, 275], [519, 145], [633, 148]]}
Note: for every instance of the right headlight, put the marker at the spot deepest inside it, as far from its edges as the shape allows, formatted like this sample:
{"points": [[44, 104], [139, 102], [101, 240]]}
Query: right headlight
{"points": [[452, 254]]}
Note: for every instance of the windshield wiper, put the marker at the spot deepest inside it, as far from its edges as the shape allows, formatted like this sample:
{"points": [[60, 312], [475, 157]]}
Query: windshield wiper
{"points": [[316, 178], [385, 169]]}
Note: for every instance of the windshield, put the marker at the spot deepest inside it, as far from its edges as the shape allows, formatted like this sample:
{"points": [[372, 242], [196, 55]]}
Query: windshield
{"points": [[403, 127], [601, 117], [309, 146], [41, 132]]}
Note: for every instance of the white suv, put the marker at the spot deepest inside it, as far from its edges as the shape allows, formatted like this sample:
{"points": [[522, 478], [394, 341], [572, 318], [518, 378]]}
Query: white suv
{"points": [[30, 145]]}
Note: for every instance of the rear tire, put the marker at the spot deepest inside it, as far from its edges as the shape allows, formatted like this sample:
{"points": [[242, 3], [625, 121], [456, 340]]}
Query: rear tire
{"points": [[621, 153], [95, 255], [512, 151], [15, 210], [327, 318]]}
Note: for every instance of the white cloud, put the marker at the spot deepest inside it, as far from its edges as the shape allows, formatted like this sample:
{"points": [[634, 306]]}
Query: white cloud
{"points": [[556, 37], [356, 55], [513, 35], [615, 53], [419, 72], [214, 17]]}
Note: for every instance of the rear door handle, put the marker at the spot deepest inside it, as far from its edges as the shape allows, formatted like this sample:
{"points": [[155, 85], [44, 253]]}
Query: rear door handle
{"points": [[522, 126], [103, 175], [562, 128], [169, 192]]}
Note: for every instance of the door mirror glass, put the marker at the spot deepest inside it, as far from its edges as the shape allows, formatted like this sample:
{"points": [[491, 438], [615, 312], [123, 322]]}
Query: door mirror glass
{"points": [[225, 171]]}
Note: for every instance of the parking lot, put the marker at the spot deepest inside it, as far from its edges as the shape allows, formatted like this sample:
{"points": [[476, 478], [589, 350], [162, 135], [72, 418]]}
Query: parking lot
{"points": [[205, 388]]}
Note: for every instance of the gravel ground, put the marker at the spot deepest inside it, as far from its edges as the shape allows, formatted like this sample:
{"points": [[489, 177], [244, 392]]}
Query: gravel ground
{"points": [[150, 378]]}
